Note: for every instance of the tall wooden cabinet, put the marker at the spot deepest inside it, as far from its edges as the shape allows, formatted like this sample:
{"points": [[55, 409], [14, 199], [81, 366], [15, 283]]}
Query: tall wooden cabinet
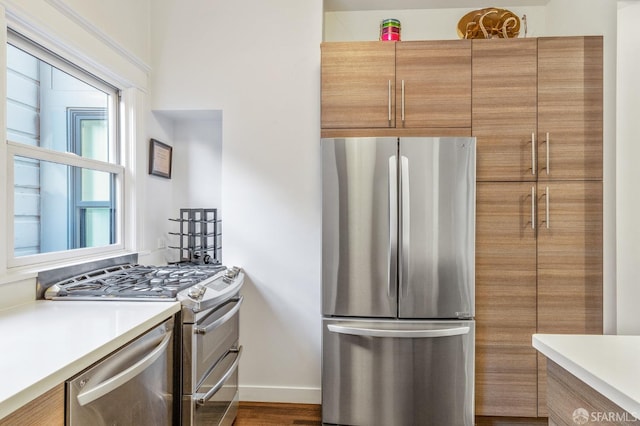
{"points": [[537, 116], [506, 272]]}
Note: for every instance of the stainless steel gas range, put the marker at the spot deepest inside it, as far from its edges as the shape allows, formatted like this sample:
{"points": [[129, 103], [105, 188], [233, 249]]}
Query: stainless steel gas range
{"points": [[206, 335]]}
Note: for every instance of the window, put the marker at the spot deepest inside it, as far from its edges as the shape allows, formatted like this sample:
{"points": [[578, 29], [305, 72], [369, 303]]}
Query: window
{"points": [[62, 145]]}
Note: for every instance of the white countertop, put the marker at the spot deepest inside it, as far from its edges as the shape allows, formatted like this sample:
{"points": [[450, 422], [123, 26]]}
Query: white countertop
{"points": [[44, 342], [609, 364]]}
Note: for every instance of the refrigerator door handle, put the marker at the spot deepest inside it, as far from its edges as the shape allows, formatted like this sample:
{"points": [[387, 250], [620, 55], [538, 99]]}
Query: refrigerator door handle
{"points": [[411, 334], [405, 224], [393, 227]]}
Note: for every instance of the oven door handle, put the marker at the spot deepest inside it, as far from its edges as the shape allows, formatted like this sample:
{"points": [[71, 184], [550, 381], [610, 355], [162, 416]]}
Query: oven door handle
{"points": [[90, 395], [202, 398], [222, 319]]}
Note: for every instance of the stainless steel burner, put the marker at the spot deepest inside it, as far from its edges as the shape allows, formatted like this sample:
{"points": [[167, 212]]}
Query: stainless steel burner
{"points": [[133, 281]]}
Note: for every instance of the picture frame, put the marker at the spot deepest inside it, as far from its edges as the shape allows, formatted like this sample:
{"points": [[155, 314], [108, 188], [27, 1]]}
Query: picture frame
{"points": [[160, 158]]}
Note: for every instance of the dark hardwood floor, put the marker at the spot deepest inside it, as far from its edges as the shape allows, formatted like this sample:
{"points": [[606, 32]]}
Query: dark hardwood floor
{"points": [[275, 414], [268, 414]]}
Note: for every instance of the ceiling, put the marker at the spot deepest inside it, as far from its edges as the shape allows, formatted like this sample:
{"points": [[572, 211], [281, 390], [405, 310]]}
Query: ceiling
{"points": [[354, 5]]}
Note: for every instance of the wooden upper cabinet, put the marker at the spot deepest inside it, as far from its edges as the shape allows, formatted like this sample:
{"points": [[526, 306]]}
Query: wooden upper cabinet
{"points": [[362, 86], [504, 75], [358, 82], [570, 108], [433, 84], [537, 105]]}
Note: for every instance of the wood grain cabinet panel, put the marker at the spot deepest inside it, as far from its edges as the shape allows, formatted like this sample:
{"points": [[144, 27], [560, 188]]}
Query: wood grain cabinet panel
{"points": [[504, 111], [46, 410], [560, 83], [570, 108], [404, 85], [436, 76], [569, 264], [537, 105], [506, 370], [567, 393], [357, 85]]}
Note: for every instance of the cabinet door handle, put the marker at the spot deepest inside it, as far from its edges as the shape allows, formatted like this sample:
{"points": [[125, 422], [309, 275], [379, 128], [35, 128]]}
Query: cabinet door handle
{"points": [[546, 196], [533, 153], [389, 98], [402, 101], [533, 207], [548, 142]]}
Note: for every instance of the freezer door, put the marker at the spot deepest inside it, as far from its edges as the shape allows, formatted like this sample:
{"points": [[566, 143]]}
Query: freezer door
{"points": [[359, 227], [437, 228], [398, 373]]}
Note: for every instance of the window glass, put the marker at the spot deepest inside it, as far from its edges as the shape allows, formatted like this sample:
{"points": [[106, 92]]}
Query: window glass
{"points": [[56, 216], [61, 202], [40, 99]]}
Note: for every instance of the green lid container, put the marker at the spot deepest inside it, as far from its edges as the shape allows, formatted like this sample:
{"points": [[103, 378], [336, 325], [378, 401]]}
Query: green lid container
{"points": [[390, 23]]}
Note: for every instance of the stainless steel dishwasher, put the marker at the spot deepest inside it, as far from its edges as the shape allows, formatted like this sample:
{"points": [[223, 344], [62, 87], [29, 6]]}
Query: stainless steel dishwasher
{"points": [[132, 386]]}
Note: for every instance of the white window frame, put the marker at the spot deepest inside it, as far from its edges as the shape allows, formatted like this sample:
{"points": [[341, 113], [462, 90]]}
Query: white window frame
{"points": [[14, 149]]}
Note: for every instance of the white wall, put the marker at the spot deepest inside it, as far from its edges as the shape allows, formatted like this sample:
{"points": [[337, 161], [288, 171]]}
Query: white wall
{"points": [[124, 23], [110, 38], [425, 24], [196, 181], [628, 171], [258, 62]]}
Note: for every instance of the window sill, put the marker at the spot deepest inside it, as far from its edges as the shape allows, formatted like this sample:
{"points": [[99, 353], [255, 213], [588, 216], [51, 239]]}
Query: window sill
{"points": [[21, 273]]}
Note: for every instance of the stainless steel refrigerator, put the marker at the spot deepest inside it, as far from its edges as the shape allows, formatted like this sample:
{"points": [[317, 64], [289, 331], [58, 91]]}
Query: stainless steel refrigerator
{"points": [[398, 278]]}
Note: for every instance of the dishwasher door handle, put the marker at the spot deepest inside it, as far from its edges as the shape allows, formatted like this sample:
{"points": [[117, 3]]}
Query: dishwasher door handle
{"points": [[411, 334], [89, 395], [202, 398]]}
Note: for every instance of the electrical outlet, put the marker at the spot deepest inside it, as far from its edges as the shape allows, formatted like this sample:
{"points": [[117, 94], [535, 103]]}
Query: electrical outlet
{"points": [[161, 244]]}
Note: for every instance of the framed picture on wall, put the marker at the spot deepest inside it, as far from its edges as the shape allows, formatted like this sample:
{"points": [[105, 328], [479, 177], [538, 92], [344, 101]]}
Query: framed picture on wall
{"points": [[160, 159]]}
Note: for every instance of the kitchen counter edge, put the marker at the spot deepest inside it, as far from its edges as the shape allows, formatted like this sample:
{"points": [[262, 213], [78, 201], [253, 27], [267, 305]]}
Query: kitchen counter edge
{"points": [[607, 363], [50, 342]]}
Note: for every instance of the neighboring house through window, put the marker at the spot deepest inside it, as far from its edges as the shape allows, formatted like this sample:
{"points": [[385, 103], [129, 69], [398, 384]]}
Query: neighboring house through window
{"points": [[91, 201], [62, 145]]}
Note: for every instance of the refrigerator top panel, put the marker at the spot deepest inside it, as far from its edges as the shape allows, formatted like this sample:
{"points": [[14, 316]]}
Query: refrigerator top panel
{"points": [[436, 254], [359, 227]]}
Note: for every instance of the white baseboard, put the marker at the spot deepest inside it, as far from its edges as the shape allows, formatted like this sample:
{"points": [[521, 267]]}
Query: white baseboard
{"points": [[280, 394]]}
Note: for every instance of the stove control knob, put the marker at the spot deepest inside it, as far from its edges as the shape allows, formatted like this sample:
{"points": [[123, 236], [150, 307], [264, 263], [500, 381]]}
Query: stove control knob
{"points": [[231, 274], [197, 291]]}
